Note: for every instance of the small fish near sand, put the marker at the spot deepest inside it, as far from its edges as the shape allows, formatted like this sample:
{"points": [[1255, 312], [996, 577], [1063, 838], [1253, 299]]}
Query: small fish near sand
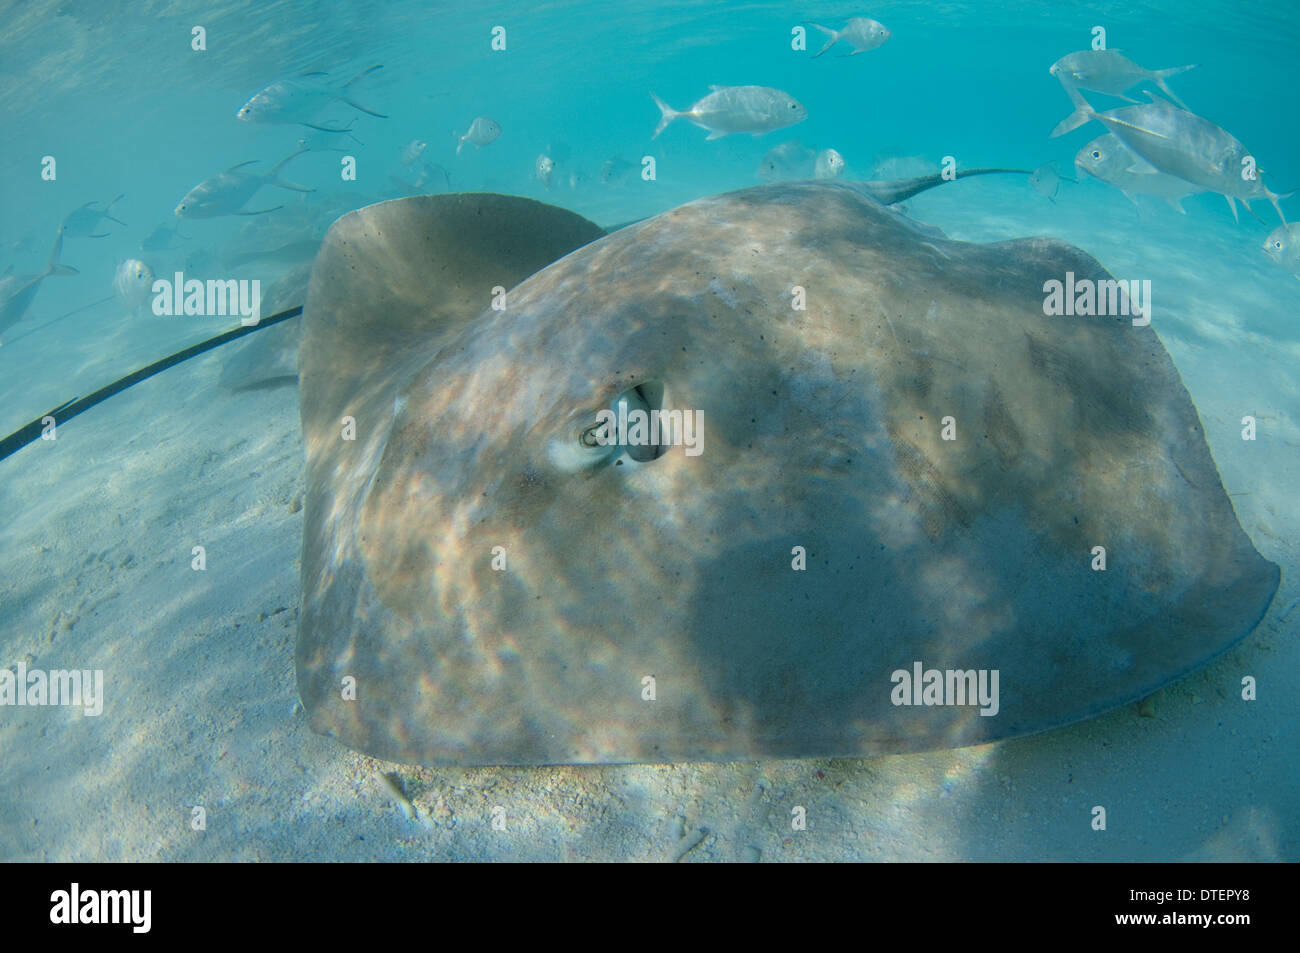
{"points": [[861, 33], [428, 176], [299, 99], [82, 222], [228, 192], [482, 132], [17, 293], [1111, 72], [789, 160], [1108, 159], [1283, 248], [734, 109], [133, 282], [1046, 180], [829, 165], [544, 169], [162, 238], [412, 151], [617, 169]]}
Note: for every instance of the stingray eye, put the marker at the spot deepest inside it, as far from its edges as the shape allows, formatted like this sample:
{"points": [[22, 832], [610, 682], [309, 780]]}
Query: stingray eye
{"points": [[597, 435]]}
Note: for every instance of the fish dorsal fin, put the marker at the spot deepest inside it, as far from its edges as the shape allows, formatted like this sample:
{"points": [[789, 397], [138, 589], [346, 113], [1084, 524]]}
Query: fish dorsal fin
{"points": [[240, 165], [393, 282]]}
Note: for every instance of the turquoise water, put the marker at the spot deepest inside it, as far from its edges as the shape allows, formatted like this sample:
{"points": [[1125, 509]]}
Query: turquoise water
{"points": [[115, 93], [117, 96]]}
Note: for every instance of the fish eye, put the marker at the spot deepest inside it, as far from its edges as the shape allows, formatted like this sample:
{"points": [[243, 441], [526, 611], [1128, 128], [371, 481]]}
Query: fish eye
{"points": [[1278, 244], [1096, 154]]}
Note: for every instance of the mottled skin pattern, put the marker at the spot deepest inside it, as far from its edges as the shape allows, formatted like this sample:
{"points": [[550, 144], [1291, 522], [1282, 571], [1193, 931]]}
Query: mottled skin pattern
{"points": [[822, 429]]}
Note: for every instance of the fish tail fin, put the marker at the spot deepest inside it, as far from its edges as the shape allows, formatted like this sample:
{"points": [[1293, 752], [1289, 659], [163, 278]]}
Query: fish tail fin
{"points": [[370, 69], [56, 249], [290, 186], [109, 208], [302, 147], [1163, 74], [666, 115], [834, 38], [274, 177], [352, 102], [1082, 113], [365, 109], [1273, 197]]}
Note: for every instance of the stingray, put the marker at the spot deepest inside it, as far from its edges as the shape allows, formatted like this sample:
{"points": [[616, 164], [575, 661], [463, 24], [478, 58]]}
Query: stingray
{"points": [[912, 473]]}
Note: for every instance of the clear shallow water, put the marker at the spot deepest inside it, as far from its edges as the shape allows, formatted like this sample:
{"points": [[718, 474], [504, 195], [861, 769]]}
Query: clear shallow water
{"points": [[115, 93]]}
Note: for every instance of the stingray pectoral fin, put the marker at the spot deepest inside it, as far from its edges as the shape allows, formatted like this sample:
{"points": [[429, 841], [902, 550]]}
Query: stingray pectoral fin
{"points": [[377, 300], [392, 284]]}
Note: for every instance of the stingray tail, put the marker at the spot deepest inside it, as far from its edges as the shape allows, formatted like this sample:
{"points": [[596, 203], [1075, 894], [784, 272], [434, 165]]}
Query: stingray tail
{"points": [[834, 38], [1163, 74], [666, 115], [890, 193]]}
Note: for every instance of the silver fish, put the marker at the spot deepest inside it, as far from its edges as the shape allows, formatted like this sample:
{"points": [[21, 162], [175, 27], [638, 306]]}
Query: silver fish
{"points": [[17, 293], [228, 192], [1181, 144], [1111, 72], [731, 109], [162, 238], [482, 132], [298, 100], [1108, 159], [789, 160], [1283, 247], [133, 282], [429, 175], [1046, 180], [411, 152], [544, 168], [82, 222], [829, 165], [861, 33], [617, 169]]}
